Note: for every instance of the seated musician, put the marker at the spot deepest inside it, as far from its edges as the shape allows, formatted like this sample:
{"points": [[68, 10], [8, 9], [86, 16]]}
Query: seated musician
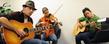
{"points": [[16, 24], [47, 20], [86, 27]]}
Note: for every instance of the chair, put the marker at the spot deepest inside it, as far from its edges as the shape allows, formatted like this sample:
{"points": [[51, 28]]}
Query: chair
{"points": [[102, 36]]}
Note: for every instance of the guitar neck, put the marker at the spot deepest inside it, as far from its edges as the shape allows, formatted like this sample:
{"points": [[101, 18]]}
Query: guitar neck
{"points": [[39, 29]]}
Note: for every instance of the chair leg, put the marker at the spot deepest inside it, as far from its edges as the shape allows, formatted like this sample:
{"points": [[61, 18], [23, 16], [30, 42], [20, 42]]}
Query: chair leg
{"points": [[50, 42]]}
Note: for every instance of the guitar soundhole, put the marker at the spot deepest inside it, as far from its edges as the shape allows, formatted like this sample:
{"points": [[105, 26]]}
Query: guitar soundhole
{"points": [[26, 30]]}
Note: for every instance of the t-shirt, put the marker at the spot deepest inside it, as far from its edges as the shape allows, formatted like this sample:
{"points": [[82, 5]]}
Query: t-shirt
{"points": [[91, 28]]}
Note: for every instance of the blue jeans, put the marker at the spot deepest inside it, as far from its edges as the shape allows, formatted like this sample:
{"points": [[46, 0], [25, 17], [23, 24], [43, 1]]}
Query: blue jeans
{"points": [[34, 41], [85, 36], [57, 32], [50, 38]]}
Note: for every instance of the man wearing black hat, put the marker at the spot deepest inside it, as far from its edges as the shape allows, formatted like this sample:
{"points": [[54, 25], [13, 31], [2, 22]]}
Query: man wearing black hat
{"points": [[22, 17]]}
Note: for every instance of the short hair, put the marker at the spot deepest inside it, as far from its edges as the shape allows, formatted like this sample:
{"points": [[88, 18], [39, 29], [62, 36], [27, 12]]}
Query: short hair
{"points": [[86, 9], [44, 9]]}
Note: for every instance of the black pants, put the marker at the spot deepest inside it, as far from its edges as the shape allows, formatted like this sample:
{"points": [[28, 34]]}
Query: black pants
{"points": [[85, 36]]}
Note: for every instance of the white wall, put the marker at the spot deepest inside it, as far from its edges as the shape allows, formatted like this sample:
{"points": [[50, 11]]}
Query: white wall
{"points": [[67, 14]]}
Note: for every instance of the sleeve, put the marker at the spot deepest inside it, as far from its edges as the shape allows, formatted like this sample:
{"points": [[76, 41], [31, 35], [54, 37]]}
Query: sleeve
{"points": [[13, 16], [8, 16], [39, 21], [81, 19], [98, 23]]}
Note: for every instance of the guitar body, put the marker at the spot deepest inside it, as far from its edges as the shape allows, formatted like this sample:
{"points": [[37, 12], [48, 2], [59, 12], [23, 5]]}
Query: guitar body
{"points": [[13, 38], [78, 29]]}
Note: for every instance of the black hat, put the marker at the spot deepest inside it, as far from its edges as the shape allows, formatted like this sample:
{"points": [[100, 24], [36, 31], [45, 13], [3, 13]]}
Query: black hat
{"points": [[30, 4]]}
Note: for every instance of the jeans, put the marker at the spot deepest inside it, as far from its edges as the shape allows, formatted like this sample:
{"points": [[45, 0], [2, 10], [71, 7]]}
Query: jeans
{"points": [[85, 36], [34, 41], [58, 32], [50, 38]]}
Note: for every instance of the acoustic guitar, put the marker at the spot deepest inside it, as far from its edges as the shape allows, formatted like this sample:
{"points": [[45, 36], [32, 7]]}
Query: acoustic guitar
{"points": [[78, 29], [13, 38]]}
